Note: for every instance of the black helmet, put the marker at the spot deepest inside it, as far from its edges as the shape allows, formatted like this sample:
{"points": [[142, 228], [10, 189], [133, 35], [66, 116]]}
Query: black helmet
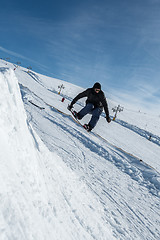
{"points": [[97, 85]]}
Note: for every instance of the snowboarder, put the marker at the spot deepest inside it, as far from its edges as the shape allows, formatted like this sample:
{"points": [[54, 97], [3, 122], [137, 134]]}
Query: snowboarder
{"points": [[95, 103]]}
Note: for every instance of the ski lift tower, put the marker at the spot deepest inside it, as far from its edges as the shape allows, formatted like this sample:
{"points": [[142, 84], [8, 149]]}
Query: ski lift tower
{"points": [[60, 88], [29, 68], [18, 63], [116, 110]]}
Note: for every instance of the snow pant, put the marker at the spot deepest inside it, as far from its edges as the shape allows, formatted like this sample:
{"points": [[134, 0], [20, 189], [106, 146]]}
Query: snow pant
{"points": [[96, 112]]}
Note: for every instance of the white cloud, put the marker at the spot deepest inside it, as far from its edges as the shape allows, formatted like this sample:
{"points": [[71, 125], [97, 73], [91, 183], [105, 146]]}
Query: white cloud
{"points": [[141, 98], [12, 53]]}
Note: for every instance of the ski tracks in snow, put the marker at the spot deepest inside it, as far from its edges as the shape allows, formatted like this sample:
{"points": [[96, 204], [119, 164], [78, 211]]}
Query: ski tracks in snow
{"points": [[108, 172]]}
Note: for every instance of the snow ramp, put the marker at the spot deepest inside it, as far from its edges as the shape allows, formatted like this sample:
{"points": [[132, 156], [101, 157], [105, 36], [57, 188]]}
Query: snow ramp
{"points": [[40, 197]]}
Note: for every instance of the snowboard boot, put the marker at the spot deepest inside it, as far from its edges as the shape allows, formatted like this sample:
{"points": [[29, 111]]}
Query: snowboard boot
{"points": [[87, 127], [75, 114]]}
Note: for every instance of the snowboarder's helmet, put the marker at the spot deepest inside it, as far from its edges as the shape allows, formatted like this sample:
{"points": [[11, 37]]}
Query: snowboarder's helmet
{"points": [[97, 85]]}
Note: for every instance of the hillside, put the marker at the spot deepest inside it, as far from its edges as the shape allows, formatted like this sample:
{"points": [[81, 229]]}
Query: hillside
{"points": [[59, 180]]}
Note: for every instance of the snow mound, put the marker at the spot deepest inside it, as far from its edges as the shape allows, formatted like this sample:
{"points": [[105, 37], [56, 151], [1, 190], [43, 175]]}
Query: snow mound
{"points": [[40, 198]]}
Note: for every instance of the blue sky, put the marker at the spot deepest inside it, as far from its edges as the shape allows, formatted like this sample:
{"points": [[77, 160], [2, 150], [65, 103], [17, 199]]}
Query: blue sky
{"points": [[114, 42]]}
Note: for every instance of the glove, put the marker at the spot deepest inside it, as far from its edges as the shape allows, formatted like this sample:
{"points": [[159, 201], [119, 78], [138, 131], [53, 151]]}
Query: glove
{"points": [[70, 107], [108, 119]]}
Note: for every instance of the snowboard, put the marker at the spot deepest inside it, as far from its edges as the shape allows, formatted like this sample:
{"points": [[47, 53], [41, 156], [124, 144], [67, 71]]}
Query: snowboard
{"points": [[74, 113]]}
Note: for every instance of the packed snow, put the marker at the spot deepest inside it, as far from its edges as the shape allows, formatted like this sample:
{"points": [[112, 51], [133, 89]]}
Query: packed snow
{"points": [[59, 181]]}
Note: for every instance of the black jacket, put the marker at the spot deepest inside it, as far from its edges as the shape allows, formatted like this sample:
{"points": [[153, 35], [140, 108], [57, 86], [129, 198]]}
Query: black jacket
{"points": [[97, 99]]}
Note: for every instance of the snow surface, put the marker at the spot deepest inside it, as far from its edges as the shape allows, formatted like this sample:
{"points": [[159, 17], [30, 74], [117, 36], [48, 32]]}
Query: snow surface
{"points": [[60, 182]]}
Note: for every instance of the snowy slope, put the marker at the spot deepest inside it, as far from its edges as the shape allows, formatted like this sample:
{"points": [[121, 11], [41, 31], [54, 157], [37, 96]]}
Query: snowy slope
{"points": [[110, 193], [40, 198], [120, 133]]}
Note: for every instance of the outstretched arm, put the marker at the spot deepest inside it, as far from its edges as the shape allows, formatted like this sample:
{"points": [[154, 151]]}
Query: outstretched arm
{"points": [[79, 96], [105, 105]]}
